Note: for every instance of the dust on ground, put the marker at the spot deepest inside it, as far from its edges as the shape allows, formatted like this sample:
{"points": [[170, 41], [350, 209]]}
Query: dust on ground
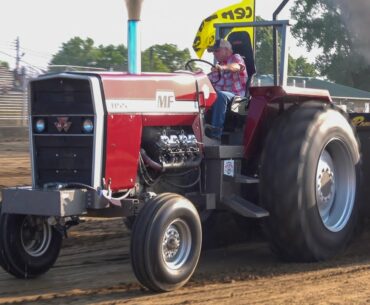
{"points": [[94, 267]]}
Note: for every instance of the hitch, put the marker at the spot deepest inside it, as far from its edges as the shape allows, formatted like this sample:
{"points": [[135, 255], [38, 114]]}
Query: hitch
{"points": [[63, 224]]}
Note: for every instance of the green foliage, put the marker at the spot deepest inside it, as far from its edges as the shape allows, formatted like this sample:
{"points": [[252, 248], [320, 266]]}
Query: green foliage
{"points": [[324, 24], [264, 56], [171, 57], [300, 67], [264, 49], [77, 52], [80, 52], [150, 61], [4, 64], [112, 57]]}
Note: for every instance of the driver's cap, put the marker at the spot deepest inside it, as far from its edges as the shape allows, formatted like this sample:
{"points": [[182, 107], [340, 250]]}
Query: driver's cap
{"points": [[220, 43]]}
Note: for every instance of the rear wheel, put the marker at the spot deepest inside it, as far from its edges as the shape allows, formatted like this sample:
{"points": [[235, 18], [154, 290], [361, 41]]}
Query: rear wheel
{"points": [[166, 242], [29, 246], [309, 183]]}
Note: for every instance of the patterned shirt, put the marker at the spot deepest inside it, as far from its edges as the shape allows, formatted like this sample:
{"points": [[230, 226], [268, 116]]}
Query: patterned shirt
{"points": [[234, 82]]}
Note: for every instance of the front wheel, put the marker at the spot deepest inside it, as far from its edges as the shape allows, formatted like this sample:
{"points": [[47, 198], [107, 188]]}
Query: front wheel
{"points": [[310, 183], [29, 246], [166, 242]]}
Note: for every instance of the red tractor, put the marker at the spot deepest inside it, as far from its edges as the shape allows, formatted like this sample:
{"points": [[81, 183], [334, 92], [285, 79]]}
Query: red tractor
{"points": [[133, 145]]}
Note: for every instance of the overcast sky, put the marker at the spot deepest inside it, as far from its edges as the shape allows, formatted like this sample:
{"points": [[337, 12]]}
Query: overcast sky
{"points": [[43, 25]]}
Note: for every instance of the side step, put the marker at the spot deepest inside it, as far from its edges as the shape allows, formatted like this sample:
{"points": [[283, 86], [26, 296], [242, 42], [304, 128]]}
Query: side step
{"points": [[241, 179], [246, 179], [244, 207]]}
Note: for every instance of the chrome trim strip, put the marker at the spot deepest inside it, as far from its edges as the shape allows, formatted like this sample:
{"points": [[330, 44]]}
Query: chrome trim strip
{"points": [[151, 106], [98, 131], [60, 115], [30, 137], [63, 135]]}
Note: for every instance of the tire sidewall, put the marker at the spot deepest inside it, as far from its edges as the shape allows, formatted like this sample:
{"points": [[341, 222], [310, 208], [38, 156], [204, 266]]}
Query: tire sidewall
{"points": [[184, 210], [323, 242], [25, 265]]}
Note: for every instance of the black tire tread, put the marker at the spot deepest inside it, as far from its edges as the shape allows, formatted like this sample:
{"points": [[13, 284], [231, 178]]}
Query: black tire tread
{"points": [[139, 232], [23, 269], [282, 156], [142, 243]]}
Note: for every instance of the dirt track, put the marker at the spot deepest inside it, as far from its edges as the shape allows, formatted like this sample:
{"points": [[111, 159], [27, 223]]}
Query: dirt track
{"points": [[94, 268]]}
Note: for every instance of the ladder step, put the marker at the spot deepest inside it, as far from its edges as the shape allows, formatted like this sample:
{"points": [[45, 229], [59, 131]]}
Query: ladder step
{"points": [[246, 179], [244, 207], [224, 152]]}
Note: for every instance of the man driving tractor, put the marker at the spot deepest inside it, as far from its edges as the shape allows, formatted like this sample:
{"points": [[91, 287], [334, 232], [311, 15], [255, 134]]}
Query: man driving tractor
{"points": [[229, 78]]}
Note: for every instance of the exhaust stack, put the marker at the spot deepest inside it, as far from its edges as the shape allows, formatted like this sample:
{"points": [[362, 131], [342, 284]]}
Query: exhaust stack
{"points": [[133, 37]]}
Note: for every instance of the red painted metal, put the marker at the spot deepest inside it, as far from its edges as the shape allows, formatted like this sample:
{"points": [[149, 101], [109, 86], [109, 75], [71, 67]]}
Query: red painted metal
{"points": [[259, 115], [122, 150], [169, 120], [124, 131], [257, 107], [296, 94]]}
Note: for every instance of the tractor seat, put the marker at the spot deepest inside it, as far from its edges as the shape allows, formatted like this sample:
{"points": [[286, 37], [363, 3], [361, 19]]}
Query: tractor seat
{"points": [[242, 45], [238, 108]]}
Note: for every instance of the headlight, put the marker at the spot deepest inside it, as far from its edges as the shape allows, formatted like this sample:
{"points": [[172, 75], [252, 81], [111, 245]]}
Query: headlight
{"points": [[40, 125], [87, 126]]}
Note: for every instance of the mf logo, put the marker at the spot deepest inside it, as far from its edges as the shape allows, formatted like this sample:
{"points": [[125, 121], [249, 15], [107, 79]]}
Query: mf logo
{"points": [[165, 99], [62, 124]]}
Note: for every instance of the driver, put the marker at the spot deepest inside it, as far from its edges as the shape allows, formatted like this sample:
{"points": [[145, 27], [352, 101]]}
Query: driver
{"points": [[229, 78]]}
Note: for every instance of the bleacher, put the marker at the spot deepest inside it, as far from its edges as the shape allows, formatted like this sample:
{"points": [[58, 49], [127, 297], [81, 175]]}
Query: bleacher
{"points": [[13, 103]]}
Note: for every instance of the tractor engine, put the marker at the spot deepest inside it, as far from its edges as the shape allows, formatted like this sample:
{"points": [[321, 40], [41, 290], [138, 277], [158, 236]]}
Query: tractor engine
{"points": [[171, 148]]}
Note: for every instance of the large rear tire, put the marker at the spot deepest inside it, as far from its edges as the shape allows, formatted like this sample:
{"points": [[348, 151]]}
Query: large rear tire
{"points": [[166, 242], [29, 246], [310, 182]]}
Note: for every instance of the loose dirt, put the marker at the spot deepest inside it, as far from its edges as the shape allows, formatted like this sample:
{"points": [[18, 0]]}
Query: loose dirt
{"points": [[94, 267]]}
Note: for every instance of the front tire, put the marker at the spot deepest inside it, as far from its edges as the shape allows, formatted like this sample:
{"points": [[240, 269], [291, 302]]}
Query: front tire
{"points": [[29, 246], [310, 183], [166, 242]]}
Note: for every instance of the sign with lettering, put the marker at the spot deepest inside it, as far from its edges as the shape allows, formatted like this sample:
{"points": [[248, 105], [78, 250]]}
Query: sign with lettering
{"points": [[241, 12]]}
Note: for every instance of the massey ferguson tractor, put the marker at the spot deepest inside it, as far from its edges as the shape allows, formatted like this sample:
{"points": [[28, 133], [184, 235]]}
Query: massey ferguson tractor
{"points": [[114, 144]]}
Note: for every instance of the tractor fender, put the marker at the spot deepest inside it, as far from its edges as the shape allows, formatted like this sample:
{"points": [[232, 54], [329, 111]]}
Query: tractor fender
{"points": [[266, 104]]}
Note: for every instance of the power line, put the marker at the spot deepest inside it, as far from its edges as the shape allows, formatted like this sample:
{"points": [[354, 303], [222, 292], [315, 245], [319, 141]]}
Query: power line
{"points": [[12, 56], [27, 63], [37, 52], [39, 56], [12, 44], [33, 66]]}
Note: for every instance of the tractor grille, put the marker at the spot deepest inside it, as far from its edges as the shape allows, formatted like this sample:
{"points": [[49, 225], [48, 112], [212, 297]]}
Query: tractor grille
{"points": [[63, 159], [62, 153]]}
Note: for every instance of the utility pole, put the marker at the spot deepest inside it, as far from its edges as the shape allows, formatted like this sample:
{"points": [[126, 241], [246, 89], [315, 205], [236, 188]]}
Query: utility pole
{"points": [[18, 56]]}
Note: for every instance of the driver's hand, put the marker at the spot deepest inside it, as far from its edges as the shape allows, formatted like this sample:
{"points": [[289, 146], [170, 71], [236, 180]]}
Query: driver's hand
{"points": [[216, 68]]}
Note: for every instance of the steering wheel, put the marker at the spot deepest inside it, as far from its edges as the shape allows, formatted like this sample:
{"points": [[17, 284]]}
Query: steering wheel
{"points": [[189, 67]]}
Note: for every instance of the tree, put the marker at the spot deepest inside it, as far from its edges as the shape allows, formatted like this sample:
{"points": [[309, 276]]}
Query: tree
{"points": [[150, 61], [112, 57], [80, 52], [300, 67], [165, 58], [77, 52], [4, 64], [264, 49], [332, 27], [264, 56]]}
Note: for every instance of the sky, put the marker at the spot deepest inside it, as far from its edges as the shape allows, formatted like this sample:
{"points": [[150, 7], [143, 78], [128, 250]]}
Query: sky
{"points": [[43, 25]]}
